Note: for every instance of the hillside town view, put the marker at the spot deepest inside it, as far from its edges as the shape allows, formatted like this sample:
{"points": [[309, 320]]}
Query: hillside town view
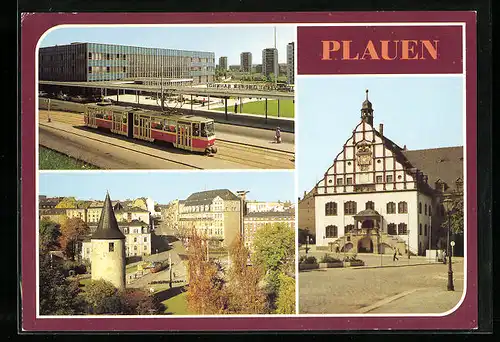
{"points": [[214, 252]]}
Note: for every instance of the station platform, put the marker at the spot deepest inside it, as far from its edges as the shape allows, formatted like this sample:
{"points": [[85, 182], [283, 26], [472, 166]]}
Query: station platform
{"points": [[244, 119]]}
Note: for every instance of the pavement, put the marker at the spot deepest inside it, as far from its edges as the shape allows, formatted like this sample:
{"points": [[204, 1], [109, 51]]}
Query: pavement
{"points": [[409, 290], [243, 119]]}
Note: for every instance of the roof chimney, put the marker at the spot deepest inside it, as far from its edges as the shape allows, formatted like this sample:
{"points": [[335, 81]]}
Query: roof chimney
{"points": [[381, 128]]}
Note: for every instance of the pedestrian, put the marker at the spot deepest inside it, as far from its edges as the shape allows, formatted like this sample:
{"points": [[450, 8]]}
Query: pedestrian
{"points": [[235, 106], [337, 249], [444, 257], [395, 256]]}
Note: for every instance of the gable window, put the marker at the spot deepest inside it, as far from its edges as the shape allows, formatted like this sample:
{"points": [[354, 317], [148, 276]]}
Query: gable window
{"points": [[331, 232], [391, 208], [135, 239], [425, 209], [402, 207], [425, 230], [388, 178], [350, 208], [349, 180], [331, 209], [379, 179], [420, 207], [402, 229], [420, 229], [340, 181], [391, 229], [370, 205], [111, 246], [145, 239]]}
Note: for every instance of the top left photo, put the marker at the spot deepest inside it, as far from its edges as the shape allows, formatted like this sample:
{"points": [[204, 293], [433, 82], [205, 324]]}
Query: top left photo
{"points": [[166, 97]]}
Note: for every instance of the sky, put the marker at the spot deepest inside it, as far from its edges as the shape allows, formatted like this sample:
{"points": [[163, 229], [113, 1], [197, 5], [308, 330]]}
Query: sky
{"points": [[227, 41], [419, 111], [164, 187]]}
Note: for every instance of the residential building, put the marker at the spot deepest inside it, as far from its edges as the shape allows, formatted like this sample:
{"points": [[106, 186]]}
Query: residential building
{"points": [[378, 197], [214, 214], [306, 212], [246, 62], [259, 206], [57, 215], [256, 220], [87, 62], [290, 62], [270, 62], [223, 63]]}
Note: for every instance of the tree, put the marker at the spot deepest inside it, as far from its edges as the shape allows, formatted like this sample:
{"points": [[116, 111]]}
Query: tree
{"points": [[244, 286], [96, 294], [274, 251], [285, 303], [456, 216], [72, 231], [205, 293], [67, 203], [139, 302], [49, 236], [57, 295]]}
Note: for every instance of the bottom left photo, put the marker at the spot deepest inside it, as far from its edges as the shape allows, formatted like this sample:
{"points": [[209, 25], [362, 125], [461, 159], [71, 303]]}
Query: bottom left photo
{"points": [[166, 243]]}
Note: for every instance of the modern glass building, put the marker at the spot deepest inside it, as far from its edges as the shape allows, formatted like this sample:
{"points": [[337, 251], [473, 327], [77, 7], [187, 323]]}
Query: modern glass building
{"points": [[87, 62]]}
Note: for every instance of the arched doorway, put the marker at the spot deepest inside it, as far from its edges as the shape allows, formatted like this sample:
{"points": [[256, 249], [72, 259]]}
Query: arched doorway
{"points": [[367, 224], [365, 245]]}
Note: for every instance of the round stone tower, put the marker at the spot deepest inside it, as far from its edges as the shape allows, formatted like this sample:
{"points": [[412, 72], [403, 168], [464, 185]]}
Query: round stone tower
{"points": [[108, 249]]}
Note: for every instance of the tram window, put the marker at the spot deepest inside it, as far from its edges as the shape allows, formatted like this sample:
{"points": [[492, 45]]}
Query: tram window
{"points": [[207, 129], [196, 129], [124, 118], [136, 121], [99, 115], [157, 124]]}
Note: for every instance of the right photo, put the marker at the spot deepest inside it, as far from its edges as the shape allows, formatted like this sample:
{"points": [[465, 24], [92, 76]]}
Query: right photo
{"points": [[381, 207]]}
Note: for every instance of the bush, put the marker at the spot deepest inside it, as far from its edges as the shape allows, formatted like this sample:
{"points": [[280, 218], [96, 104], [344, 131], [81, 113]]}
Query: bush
{"points": [[308, 260], [328, 259], [68, 265]]}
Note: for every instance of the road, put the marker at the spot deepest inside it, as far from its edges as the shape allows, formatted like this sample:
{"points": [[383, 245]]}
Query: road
{"points": [[372, 290]]}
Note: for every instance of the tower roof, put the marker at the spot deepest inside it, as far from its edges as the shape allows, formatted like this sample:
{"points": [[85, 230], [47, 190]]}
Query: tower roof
{"points": [[107, 229], [366, 103]]}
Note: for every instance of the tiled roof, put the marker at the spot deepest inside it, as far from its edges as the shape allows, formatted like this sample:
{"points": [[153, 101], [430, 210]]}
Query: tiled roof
{"points": [[53, 211], [132, 210], [133, 223], [281, 214], [206, 197], [445, 164]]}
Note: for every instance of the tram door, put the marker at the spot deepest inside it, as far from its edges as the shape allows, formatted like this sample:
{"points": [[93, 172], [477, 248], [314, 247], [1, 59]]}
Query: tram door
{"points": [[184, 135], [144, 128], [117, 122]]}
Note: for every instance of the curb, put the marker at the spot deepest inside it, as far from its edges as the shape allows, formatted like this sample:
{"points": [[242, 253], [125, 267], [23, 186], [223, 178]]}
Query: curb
{"points": [[385, 301], [384, 266]]}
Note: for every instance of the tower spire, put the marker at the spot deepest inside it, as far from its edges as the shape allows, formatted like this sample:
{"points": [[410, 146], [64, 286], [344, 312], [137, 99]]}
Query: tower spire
{"points": [[107, 227], [367, 111]]}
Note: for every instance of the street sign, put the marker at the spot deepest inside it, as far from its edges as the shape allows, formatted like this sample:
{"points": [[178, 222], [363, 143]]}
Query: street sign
{"points": [[452, 243]]}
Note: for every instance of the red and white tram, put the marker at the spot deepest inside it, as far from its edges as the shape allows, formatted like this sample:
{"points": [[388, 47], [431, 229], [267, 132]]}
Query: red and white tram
{"points": [[188, 132]]}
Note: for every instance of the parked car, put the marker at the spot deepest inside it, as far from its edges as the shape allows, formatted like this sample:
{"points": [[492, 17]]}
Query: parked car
{"points": [[43, 94], [78, 98], [63, 97]]}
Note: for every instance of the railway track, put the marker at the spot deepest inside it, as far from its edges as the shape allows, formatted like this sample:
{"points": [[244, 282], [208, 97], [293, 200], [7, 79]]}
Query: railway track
{"points": [[124, 147], [245, 155]]}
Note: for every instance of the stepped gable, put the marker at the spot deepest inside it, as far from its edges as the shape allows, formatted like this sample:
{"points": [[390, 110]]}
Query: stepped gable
{"points": [[206, 197], [439, 164], [107, 228]]}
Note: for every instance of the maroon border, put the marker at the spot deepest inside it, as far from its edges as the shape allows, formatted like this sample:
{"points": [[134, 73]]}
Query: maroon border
{"points": [[33, 25]]}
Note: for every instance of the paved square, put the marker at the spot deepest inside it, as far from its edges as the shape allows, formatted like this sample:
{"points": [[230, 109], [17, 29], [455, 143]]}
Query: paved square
{"points": [[422, 288]]}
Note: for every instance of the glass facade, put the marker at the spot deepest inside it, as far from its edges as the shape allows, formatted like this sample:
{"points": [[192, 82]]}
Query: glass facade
{"points": [[105, 62]]}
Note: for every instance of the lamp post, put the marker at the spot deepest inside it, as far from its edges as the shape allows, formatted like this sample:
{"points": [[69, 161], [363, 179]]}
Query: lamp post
{"points": [[448, 206]]}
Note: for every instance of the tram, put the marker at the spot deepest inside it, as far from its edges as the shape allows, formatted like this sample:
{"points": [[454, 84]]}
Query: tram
{"points": [[187, 132]]}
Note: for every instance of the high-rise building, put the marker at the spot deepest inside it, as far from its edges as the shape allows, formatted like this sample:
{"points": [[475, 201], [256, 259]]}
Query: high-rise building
{"points": [[104, 62], [246, 61], [270, 61], [223, 63], [290, 59]]}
